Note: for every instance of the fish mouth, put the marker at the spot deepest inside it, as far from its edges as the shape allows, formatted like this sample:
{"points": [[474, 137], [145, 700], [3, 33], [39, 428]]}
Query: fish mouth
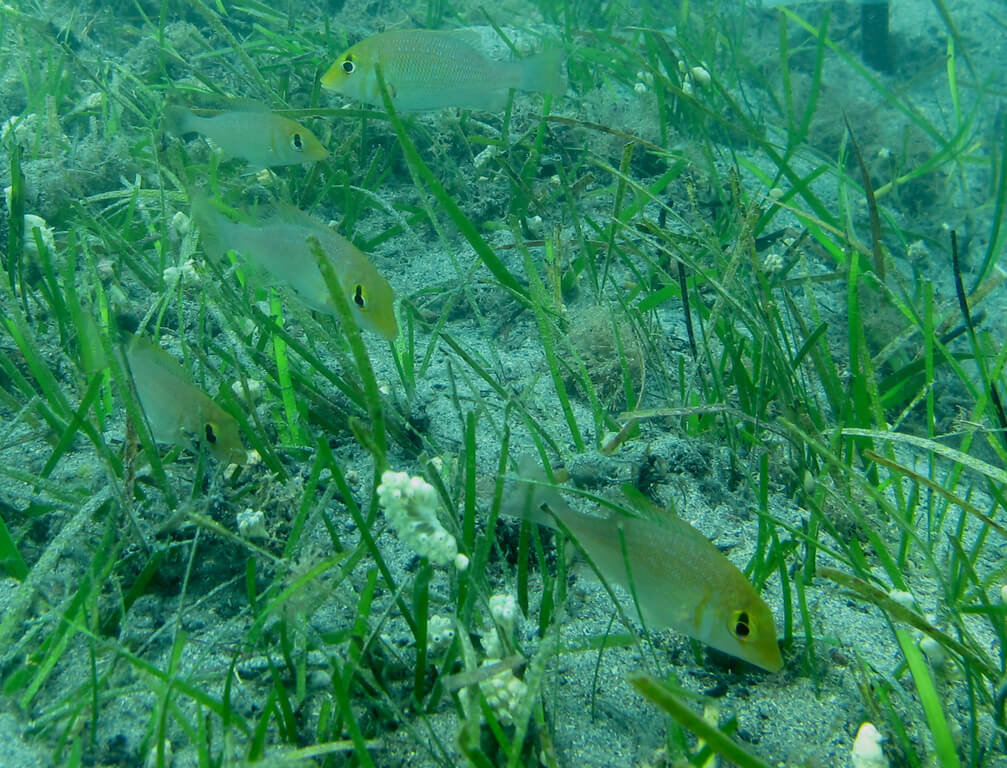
{"points": [[771, 660], [330, 80], [389, 331]]}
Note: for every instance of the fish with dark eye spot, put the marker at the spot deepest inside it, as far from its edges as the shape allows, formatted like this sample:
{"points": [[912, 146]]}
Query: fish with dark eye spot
{"points": [[177, 411], [252, 132], [279, 245], [679, 578], [431, 69]]}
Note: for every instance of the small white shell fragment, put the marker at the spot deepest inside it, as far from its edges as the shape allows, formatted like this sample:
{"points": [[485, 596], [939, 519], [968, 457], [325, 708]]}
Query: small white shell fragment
{"points": [[934, 651], [23, 129], [93, 101], [810, 483], [903, 598], [252, 458], [252, 524], [254, 392], [5, 130], [185, 274], [486, 155], [106, 270], [700, 76], [31, 223], [180, 224], [867, 751], [167, 755]]}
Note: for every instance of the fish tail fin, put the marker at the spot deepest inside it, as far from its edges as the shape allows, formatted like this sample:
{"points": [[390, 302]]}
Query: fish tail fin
{"points": [[543, 72], [528, 497], [211, 223], [178, 120]]}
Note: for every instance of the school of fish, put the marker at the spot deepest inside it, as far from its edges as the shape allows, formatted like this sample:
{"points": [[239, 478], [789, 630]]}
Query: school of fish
{"points": [[680, 580], [177, 411]]}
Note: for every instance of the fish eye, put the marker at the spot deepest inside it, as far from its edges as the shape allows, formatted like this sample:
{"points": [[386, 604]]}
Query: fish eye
{"points": [[296, 142], [741, 625], [211, 436], [348, 66], [358, 295]]}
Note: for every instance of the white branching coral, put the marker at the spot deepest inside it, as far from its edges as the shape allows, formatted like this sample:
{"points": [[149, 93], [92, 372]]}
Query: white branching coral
{"points": [[410, 504], [440, 632], [505, 691], [503, 609]]}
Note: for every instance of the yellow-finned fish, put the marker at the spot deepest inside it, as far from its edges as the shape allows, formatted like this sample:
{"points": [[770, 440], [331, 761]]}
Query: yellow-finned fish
{"points": [[279, 246], [681, 580], [431, 69], [178, 411], [251, 132]]}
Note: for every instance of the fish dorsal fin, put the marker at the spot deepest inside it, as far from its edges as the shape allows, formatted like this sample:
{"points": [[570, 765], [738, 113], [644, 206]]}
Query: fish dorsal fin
{"points": [[485, 40], [239, 104], [290, 214], [328, 238], [470, 35], [141, 350]]}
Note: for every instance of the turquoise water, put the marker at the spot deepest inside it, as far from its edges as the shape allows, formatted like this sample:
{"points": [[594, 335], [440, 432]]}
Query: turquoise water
{"points": [[738, 263]]}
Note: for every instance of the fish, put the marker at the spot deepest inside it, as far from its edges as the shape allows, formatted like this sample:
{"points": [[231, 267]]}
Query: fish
{"points": [[680, 579], [430, 69], [250, 132], [178, 412], [279, 246]]}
